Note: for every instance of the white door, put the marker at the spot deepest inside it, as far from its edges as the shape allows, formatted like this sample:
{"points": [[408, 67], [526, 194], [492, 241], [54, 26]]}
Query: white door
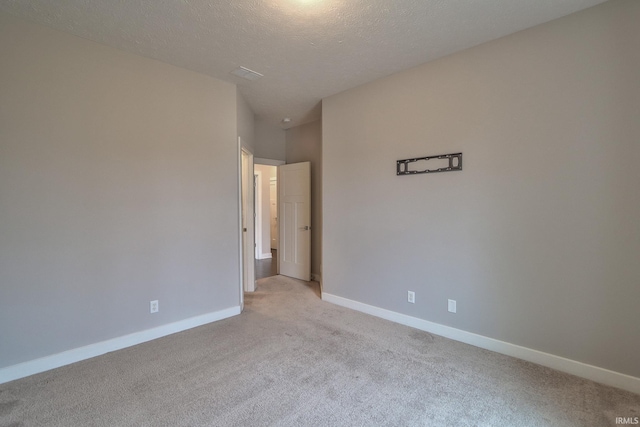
{"points": [[273, 212], [294, 215]]}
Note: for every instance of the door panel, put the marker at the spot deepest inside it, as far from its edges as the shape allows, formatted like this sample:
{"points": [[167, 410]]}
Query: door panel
{"points": [[288, 216], [295, 220]]}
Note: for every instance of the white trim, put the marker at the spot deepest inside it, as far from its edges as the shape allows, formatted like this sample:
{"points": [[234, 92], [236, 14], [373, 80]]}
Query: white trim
{"points": [[594, 373], [248, 254], [270, 162], [251, 258], [265, 256], [240, 239], [257, 212], [36, 366]]}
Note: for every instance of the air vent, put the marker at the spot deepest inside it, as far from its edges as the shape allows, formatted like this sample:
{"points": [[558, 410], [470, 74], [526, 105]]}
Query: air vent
{"points": [[246, 73]]}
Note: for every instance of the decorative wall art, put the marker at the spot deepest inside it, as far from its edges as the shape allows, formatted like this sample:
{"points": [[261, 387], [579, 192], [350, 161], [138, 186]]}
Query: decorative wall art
{"points": [[439, 163]]}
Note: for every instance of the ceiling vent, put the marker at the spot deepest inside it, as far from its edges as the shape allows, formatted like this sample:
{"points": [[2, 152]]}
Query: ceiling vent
{"points": [[246, 73]]}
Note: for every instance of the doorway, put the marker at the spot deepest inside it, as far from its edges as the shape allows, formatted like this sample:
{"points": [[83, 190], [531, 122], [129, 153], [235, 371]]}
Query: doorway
{"points": [[266, 229], [282, 207], [265, 254]]}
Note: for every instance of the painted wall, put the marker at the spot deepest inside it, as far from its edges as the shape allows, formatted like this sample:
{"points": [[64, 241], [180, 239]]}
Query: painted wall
{"points": [[118, 186], [304, 143], [271, 141], [246, 123], [265, 218], [538, 237]]}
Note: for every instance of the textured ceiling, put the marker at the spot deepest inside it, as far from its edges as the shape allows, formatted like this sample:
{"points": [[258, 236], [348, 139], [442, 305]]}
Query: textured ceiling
{"points": [[306, 49]]}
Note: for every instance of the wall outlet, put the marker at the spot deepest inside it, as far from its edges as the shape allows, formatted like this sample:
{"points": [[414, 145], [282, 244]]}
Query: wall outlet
{"points": [[153, 306], [452, 306], [411, 297]]}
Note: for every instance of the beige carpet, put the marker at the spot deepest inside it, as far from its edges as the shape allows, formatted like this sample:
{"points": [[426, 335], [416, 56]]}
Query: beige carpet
{"points": [[292, 360]]}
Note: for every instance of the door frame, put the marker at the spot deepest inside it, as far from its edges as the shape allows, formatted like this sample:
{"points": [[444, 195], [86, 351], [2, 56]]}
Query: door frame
{"points": [[273, 162], [246, 239], [257, 213]]}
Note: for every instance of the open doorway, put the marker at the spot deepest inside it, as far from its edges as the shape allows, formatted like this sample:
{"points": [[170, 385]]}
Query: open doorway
{"points": [[284, 212], [266, 218]]}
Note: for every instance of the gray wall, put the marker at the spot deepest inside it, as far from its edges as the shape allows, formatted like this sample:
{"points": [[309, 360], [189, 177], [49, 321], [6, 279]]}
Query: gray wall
{"points": [[118, 185], [304, 143], [538, 237], [246, 123], [271, 141]]}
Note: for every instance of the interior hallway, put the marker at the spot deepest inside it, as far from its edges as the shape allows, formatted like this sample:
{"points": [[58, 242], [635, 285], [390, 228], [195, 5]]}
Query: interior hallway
{"points": [[266, 267]]}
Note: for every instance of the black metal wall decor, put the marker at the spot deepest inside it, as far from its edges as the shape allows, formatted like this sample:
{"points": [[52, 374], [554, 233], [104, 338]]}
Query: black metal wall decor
{"points": [[454, 164]]}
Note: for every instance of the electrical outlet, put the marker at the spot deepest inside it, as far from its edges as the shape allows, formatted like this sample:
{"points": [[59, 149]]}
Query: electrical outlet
{"points": [[452, 306], [153, 306], [411, 297]]}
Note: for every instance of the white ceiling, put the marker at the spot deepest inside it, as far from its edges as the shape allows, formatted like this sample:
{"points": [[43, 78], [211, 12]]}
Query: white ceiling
{"points": [[306, 49]]}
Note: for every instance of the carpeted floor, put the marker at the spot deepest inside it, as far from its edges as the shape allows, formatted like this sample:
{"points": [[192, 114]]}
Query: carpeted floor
{"points": [[292, 360]]}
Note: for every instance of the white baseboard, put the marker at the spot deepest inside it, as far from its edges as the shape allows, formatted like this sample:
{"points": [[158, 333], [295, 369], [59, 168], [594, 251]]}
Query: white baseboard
{"points": [[265, 256], [36, 366], [594, 373]]}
